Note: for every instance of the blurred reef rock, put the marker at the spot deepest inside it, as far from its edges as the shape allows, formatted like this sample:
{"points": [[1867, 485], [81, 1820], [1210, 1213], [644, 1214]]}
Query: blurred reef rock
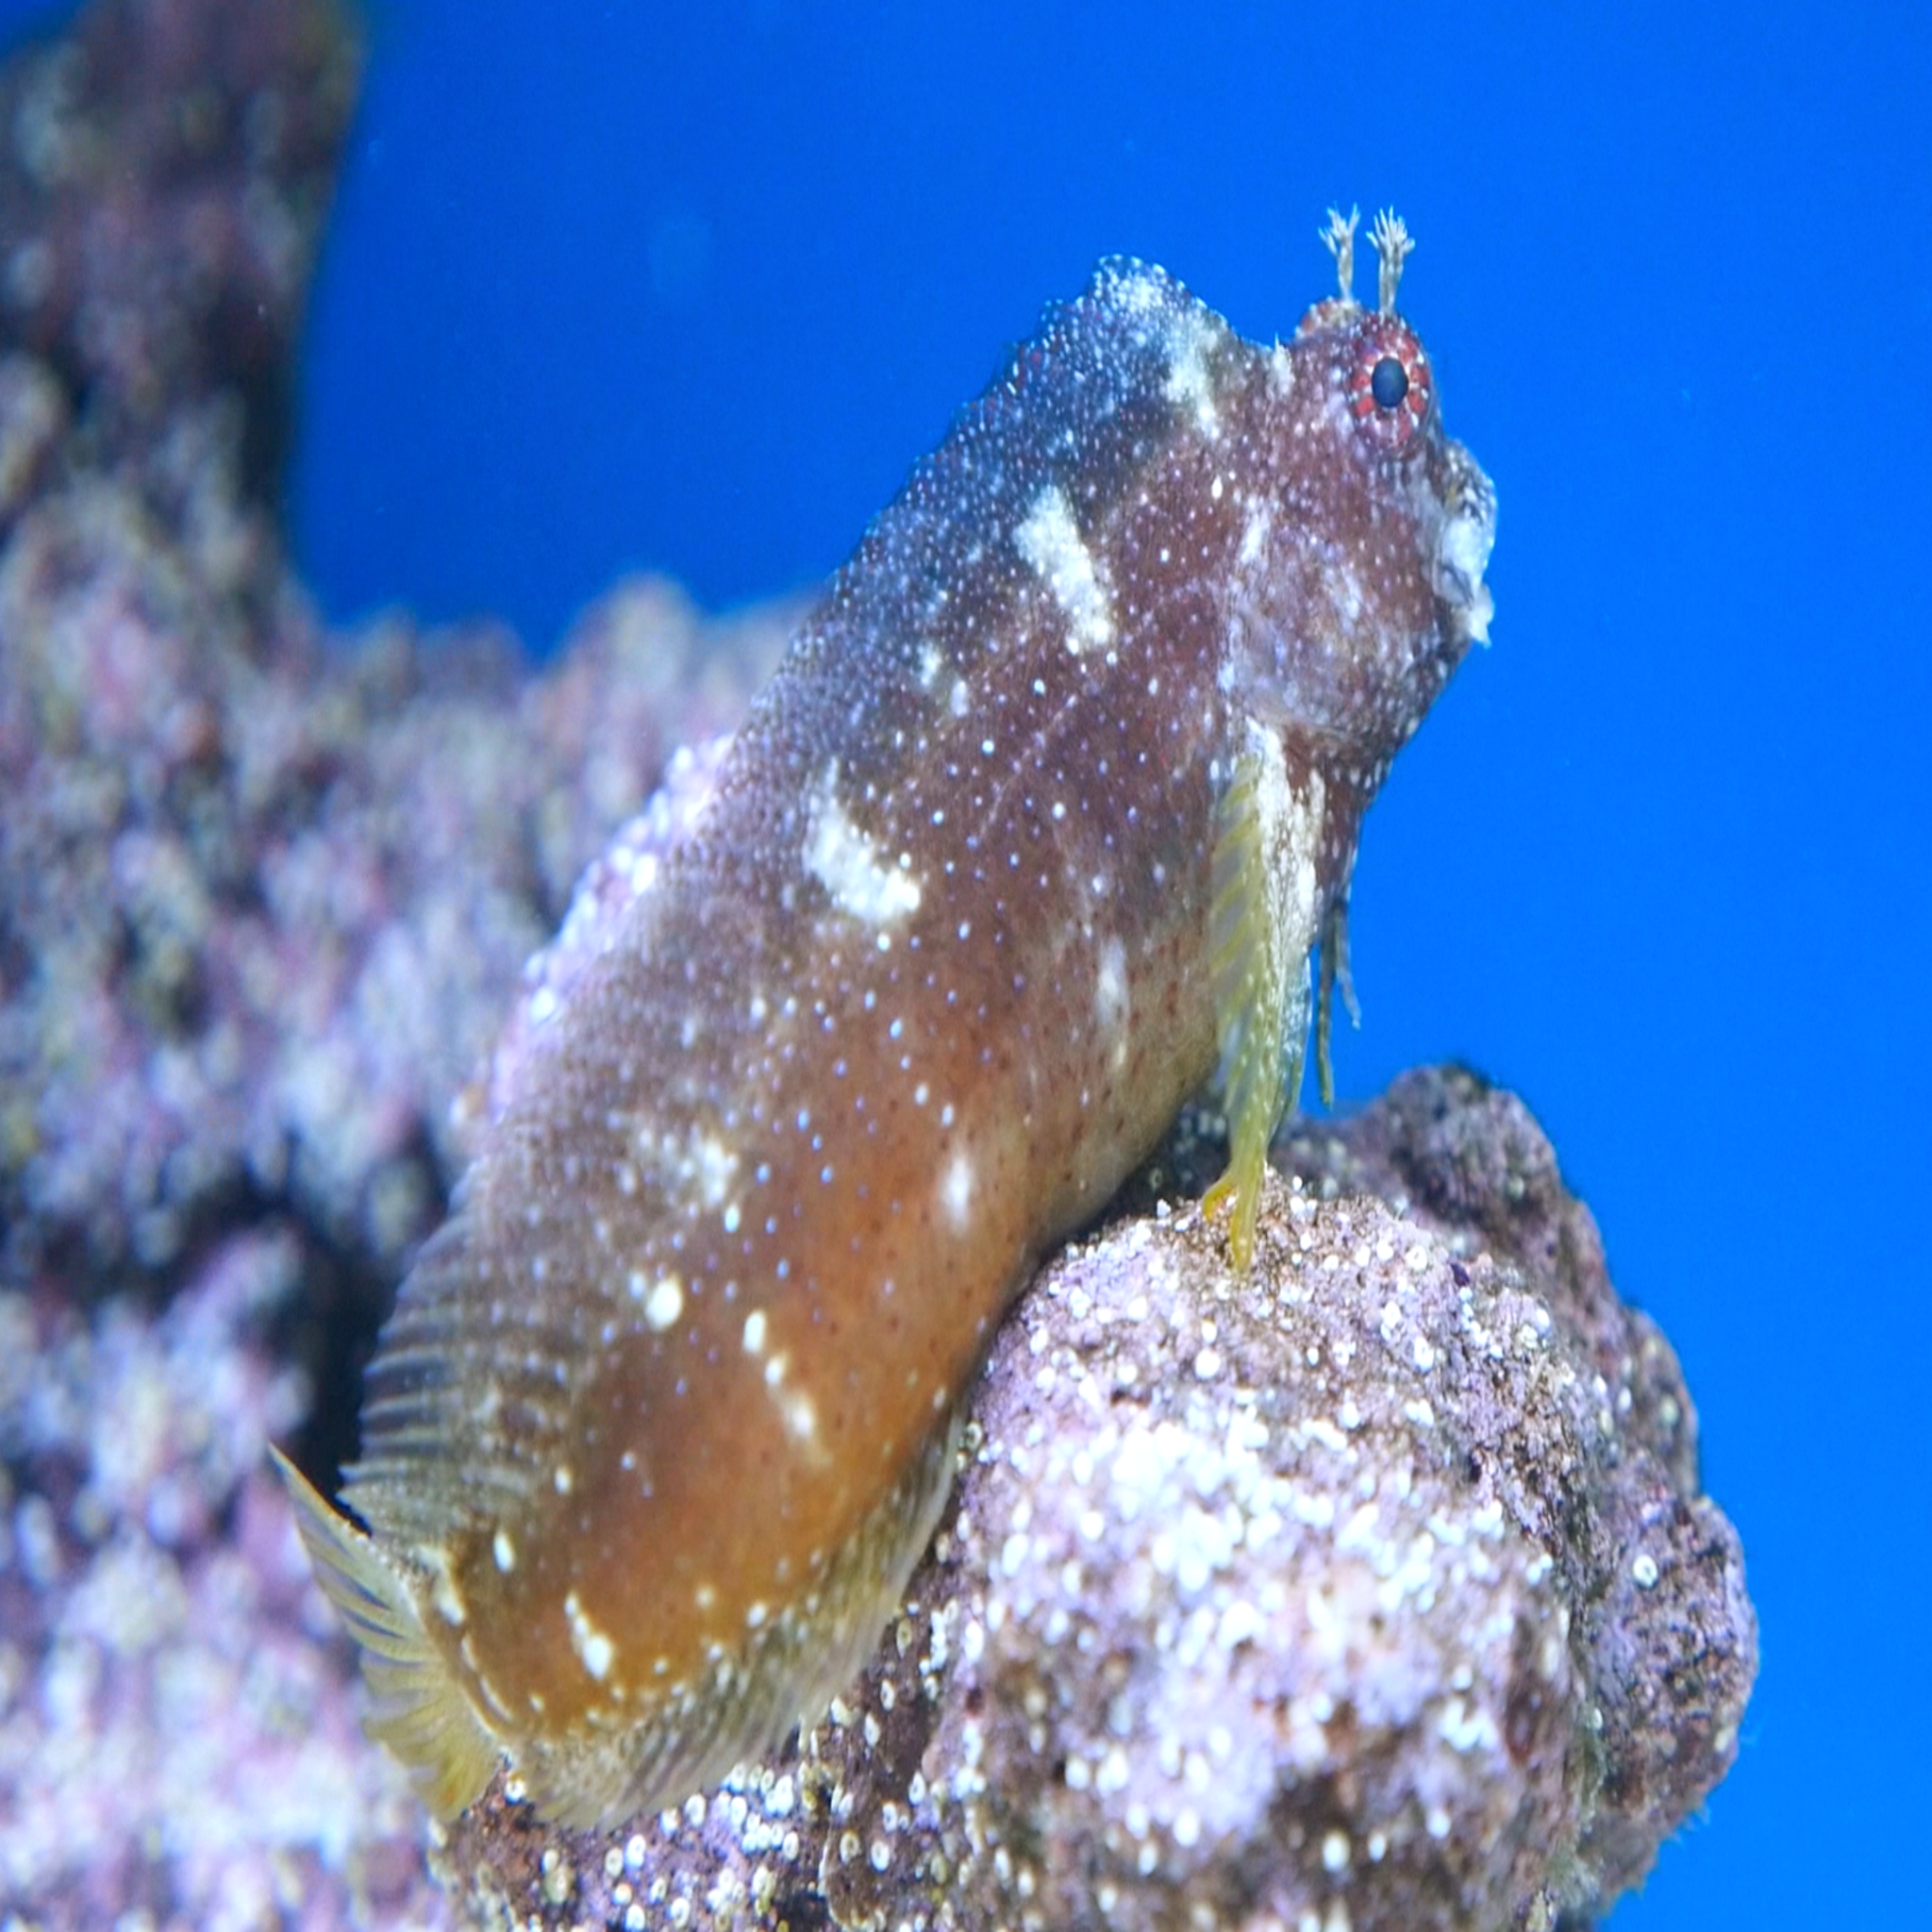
{"points": [[1377, 1589], [262, 891], [166, 172]]}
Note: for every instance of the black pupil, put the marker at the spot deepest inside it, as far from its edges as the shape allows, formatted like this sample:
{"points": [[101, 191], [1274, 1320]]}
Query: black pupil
{"points": [[1390, 382]]}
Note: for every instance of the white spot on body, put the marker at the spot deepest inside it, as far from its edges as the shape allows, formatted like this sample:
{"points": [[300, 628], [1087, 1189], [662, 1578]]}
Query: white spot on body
{"points": [[1050, 541], [698, 1164], [755, 1327], [1344, 589], [442, 1590], [956, 1190], [663, 1300], [594, 1649], [1190, 384], [504, 1551], [846, 862], [1110, 996], [1255, 532], [715, 1164]]}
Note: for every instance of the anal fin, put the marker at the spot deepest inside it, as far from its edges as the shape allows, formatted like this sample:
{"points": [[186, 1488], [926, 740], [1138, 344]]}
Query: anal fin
{"points": [[417, 1706]]}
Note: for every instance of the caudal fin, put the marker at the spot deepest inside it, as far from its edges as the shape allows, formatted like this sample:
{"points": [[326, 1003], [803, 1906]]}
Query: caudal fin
{"points": [[418, 1708]]}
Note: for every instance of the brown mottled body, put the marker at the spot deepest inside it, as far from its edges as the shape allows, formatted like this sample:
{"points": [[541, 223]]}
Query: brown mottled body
{"points": [[664, 1413]]}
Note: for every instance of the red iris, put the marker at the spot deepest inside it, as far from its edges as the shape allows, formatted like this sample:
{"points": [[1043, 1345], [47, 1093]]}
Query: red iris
{"points": [[1390, 390]]}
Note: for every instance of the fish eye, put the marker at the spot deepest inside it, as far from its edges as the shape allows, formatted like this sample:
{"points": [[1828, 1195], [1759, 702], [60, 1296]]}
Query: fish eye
{"points": [[1392, 391]]}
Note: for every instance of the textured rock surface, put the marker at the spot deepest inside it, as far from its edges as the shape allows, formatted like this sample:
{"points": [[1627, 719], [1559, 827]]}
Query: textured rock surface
{"points": [[1375, 1589]]}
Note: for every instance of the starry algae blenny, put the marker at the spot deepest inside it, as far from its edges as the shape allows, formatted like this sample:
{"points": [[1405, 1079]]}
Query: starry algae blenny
{"points": [[1032, 836]]}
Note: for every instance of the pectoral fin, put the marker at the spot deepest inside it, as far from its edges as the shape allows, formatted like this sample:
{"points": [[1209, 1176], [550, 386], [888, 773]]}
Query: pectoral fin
{"points": [[1264, 923]]}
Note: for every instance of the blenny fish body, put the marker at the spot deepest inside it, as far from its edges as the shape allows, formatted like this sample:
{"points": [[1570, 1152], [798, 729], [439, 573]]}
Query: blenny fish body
{"points": [[1033, 830]]}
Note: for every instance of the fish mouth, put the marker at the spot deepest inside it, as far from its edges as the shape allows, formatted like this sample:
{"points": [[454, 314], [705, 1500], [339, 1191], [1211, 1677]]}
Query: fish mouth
{"points": [[1463, 548]]}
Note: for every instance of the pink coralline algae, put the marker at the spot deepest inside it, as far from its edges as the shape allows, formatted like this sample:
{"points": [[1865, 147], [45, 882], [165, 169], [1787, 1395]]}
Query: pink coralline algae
{"points": [[174, 1737], [1374, 1588]]}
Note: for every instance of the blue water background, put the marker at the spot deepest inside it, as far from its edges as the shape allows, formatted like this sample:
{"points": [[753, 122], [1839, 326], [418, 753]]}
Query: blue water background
{"points": [[691, 288]]}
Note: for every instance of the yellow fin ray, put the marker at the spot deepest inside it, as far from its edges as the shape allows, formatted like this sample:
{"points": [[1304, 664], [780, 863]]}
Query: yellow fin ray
{"points": [[418, 1708]]}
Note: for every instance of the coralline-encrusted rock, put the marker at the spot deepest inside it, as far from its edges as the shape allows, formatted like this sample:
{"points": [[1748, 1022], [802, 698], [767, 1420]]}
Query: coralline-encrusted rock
{"points": [[1375, 1590]]}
